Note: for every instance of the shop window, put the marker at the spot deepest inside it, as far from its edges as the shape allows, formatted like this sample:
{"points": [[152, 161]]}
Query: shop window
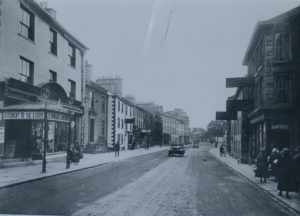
{"points": [[27, 23], [92, 130], [26, 73], [282, 88], [282, 46], [53, 76], [72, 55], [53, 41], [72, 89]]}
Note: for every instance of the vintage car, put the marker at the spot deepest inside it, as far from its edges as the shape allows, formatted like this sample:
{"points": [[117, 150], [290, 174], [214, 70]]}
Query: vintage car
{"points": [[195, 145], [176, 149]]}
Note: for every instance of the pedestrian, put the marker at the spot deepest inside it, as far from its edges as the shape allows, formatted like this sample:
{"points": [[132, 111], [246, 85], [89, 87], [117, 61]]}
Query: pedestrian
{"points": [[262, 166], [285, 173], [273, 160], [221, 151], [117, 149], [296, 159], [216, 145]]}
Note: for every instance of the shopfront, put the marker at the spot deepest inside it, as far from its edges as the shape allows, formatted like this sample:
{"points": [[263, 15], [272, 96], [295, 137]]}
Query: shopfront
{"points": [[29, 128]]}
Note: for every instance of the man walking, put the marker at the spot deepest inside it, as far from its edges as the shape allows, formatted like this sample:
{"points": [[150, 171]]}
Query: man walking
{"points": [[117, 149]]}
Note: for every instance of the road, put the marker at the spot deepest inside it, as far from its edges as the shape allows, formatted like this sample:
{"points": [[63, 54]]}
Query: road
{"points": [[147, 185]]}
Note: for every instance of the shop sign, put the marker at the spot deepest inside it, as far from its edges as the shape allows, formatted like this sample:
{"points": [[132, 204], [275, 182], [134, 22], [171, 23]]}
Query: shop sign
{"points": [[279, 126], [23, 115], [52, 116], [239, 82], [226, 116], [146, 131], [239, 105]]}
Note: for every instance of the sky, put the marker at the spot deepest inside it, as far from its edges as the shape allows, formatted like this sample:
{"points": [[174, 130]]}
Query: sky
{"points": [[175, 53]]}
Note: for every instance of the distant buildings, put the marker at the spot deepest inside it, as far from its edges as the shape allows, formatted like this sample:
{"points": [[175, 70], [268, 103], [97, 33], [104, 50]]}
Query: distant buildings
{"points": [[267, 100]]}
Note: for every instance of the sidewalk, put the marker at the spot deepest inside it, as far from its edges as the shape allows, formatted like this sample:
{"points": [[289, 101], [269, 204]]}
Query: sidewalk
{"points": [[16, 175], [270, 187]]}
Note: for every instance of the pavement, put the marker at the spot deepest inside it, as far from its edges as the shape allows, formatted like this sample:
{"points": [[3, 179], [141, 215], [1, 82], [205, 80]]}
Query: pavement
{"points": [[15, 175], [270, 187]]}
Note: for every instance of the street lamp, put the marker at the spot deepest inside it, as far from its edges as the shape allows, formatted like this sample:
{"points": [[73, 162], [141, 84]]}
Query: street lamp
{"points": [[71, 125]]}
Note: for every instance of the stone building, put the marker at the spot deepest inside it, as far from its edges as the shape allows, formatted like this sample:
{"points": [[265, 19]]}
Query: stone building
{"points": [[95, 118], [42, 76]]}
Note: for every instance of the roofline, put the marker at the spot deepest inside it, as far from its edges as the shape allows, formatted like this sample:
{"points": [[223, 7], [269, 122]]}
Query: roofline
{"points": [[54, 23]]}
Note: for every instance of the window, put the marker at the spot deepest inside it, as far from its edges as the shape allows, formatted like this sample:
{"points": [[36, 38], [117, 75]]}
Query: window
{"points": [[92, 130], [122, 107], [103, 104], [53, 41], [122, 120], [27, 23], [130, 112], [26, 74], [282, 88], [53, 76], [102, 127], [282, 46], [72, 55], [92, 99], [72, 89], [118, 106], [126, 110], [118, 122]]}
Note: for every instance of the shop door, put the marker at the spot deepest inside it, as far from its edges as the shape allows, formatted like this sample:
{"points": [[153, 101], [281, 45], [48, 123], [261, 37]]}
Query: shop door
{"points": [[18, 139]]}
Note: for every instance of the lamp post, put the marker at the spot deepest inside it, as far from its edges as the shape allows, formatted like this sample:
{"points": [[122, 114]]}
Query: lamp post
{"points": [[45, 143], [71, 125]]}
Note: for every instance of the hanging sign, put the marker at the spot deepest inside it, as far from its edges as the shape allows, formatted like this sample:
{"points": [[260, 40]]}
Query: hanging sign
{"points": [[239, 82], [226, 116], [239, 105]]}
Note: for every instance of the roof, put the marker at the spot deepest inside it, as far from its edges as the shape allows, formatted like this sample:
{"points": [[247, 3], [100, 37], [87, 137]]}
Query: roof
{"points": [[96, 87], [261, 26], [55, 24]]}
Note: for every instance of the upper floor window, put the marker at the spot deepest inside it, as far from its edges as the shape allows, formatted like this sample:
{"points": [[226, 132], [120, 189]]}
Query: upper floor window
{"points": [[26, 73], [53, 76], [282, 46], [118, 106], [92, 99], [72, 55], [72, 89], [103, 104], [126, 110], [122, 107], [27, 23], [102, 127], [53, 41], [282, 88], [118, 122]]}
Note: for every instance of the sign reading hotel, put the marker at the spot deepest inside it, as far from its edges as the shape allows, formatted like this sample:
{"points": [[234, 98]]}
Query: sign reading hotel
{"points": [[239, 82], [23, 115], [239, 105], [226, 116]]}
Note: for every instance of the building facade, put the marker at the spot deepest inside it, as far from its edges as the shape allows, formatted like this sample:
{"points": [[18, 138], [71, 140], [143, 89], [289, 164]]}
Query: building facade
{"points": [[42, 76]]}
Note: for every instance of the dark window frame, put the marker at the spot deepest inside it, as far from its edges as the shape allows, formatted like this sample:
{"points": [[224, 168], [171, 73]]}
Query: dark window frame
{"points": [[27, 71], [282, 46], [282, 88], [72, 88], [27, 22], [53, 41], [53, 76], [72, 54]]}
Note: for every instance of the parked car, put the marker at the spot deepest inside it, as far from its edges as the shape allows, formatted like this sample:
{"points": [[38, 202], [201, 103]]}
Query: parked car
{"points": [[176, 149], [195, 145]]}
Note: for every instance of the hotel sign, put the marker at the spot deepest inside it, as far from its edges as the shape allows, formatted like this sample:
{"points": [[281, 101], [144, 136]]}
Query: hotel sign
{"points": [[23, 115], [239, 105], [239, 82], [226, 116]]}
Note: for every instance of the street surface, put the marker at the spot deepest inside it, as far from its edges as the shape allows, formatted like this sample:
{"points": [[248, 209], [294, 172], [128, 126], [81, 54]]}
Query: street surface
{"points": [[153, 184]]}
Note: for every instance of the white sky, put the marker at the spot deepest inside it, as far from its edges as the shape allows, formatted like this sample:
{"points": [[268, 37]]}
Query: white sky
{"points": [[206, 43]]}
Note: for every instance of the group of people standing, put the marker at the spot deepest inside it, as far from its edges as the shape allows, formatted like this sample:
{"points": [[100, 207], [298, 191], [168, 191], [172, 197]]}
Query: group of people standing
{"points": [[283, 166]]}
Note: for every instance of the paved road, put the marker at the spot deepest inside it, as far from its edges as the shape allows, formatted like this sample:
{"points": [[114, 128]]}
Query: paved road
{"points": [[153, 184]]}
